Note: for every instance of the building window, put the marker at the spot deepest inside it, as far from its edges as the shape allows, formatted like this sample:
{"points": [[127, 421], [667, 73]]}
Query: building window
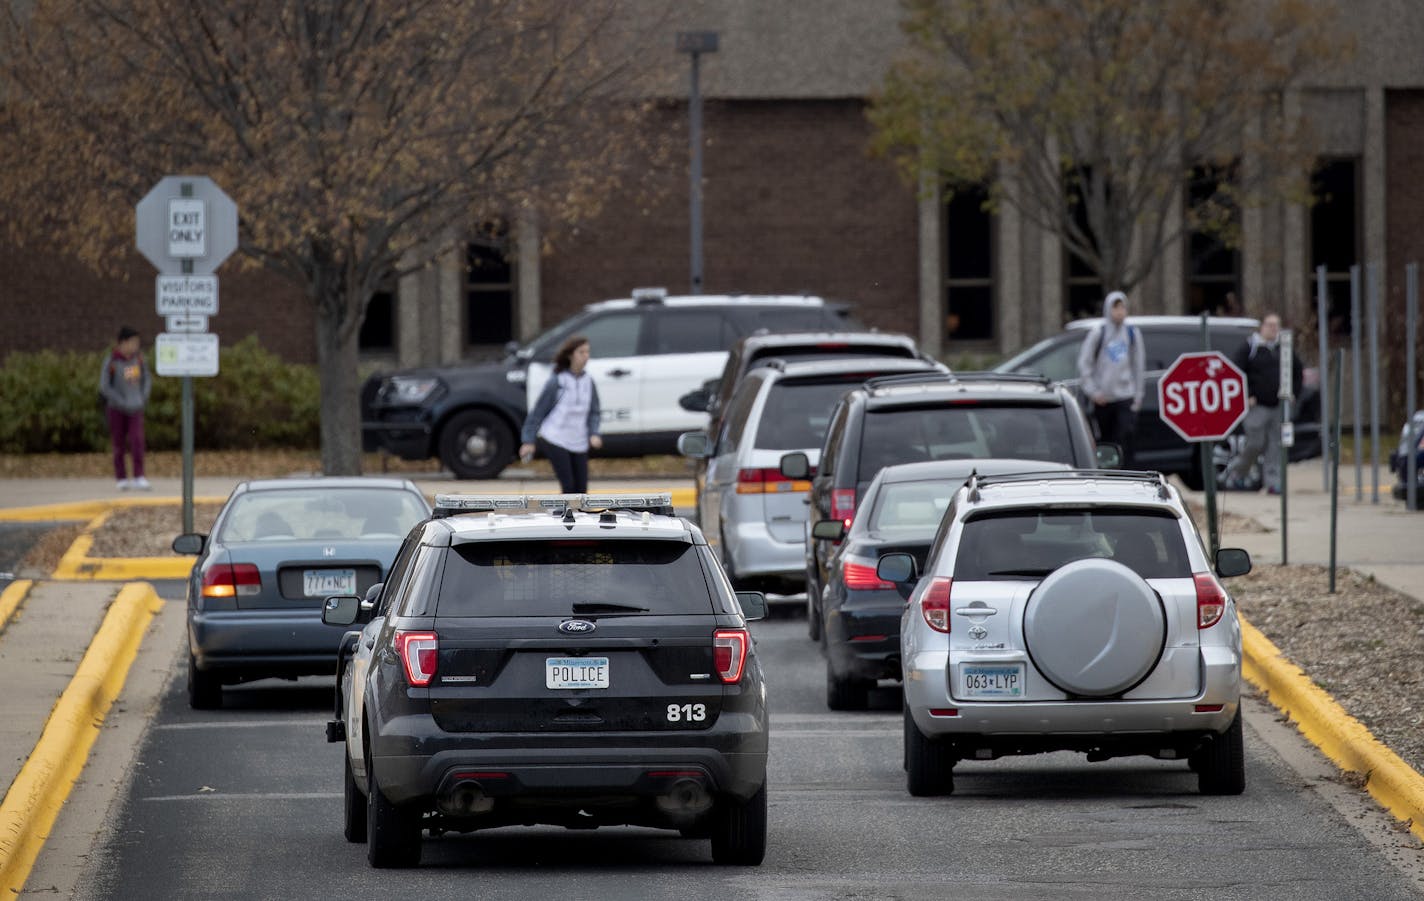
{"points": [[489, 288], [1082, 287], [1335, 234], [969, 265], [1213, 267], [378, 330]]}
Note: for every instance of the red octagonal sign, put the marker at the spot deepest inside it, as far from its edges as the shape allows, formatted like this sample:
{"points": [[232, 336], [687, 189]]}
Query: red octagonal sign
{"points": [[1202, 396]]}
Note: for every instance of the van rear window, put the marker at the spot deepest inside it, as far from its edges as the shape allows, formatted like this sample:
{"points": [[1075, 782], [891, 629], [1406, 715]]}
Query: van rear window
{"points": [[577, 576]]}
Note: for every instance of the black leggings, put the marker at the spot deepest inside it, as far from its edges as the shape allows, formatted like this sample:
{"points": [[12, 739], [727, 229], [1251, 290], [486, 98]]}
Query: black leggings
{"points": [[571, 468]]}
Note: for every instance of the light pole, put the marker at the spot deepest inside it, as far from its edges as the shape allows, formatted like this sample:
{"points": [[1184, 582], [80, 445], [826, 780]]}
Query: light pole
{"points": [[696, 43]]}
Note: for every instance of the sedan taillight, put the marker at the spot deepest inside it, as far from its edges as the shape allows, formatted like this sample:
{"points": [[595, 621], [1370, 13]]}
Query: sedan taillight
{"points": [[227, 580], [860, 577], [418, 652], [1211, 600], [729, 653]]}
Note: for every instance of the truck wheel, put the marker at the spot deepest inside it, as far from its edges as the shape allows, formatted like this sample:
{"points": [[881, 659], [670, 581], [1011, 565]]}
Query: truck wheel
{"points": [[476, 444]]}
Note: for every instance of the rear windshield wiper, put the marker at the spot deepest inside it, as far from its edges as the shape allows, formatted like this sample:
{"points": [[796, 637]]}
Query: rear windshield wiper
{"points": [[605, 607], [1020, 572]]}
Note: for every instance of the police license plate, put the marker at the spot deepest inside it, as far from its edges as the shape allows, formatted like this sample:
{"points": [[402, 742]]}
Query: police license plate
{"points": [[323, 583], [576, 672], [999, 680]]}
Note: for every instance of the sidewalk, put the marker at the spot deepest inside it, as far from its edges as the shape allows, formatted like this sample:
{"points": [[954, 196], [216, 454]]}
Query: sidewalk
{"points": [[1383, 540]]}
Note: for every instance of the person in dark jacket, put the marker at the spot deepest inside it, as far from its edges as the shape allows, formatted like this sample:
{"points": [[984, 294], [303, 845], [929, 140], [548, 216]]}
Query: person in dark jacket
{"points": [[1260, 359], [124, 383], [564, 423]]}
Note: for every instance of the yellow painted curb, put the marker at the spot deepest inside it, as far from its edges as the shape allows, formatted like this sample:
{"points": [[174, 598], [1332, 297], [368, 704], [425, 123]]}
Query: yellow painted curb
{"points": [[90, 509], [39, 791], [1344, 739], [12, 598]]}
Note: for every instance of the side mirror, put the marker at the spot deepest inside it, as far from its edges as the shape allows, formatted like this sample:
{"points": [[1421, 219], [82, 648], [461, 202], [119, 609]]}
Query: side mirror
{"points": [[694, 401], [341, 610], [828, 529], [897, 568], [1232, 561], [368, 603], [1109, 456], [694, 444], [190, 543], [753, 605], [796, 466]]}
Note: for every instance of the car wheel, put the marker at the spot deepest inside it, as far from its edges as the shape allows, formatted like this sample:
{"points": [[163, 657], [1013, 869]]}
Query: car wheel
{"points": [[204, 689], [928, 768], [1221, 762], [355, 826], [393, 833], [476, 444], [845, 693], [739, 830]]}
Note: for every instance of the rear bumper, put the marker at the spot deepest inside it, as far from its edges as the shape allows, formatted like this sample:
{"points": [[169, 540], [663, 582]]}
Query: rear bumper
{"points": [[263, 642], [413, 760], [863, 642], [1073, 721]]}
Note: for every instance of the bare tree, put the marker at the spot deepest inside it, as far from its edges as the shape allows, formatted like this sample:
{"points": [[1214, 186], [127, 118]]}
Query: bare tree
{"points": [[361, 139], [1101, 111]]}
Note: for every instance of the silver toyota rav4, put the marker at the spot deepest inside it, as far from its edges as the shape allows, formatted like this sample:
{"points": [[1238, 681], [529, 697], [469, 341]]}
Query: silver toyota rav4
{"points": [[1071, 611]]}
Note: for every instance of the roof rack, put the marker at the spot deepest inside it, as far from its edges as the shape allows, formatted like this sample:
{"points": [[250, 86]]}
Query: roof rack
{"points": [[949, 376], [928, 375], [1157, 479], [559, 504]]}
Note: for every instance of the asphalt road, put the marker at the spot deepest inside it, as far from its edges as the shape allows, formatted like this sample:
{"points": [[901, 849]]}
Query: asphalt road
{"points": [[245, 803]]}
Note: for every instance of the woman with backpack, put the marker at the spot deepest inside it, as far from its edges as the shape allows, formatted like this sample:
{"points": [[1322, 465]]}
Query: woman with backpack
{"points": [[124, 385], [565, 420]]}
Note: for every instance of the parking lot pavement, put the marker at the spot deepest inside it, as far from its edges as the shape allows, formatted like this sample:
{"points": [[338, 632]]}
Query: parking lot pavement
{"points": [[1382, 540]]}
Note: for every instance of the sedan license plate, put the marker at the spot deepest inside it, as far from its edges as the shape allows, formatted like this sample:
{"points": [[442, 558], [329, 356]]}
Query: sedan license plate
{"points": [[576, 672], [323, 583], [991, 680]]}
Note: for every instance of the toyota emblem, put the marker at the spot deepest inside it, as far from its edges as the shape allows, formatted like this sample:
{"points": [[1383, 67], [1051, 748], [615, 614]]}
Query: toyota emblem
{"points": [[978, 633], [577, 626]]}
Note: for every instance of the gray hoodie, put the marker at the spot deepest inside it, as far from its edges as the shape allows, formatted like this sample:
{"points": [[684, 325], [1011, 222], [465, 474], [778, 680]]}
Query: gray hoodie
{"points": [[125, 382], [1115, 365]]}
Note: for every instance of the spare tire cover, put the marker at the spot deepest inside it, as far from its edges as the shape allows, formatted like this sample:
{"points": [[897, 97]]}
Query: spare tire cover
{"points": [[1094, 627]]}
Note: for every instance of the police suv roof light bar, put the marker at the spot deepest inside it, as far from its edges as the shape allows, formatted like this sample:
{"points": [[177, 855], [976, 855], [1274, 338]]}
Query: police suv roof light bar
{"points": [[451, 504]]}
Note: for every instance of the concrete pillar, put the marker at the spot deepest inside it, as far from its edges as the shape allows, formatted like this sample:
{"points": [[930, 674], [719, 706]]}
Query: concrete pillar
{"points": [[1297, 281], [1010, 301], [449, 284], [932, 287], [409, 321], [1169, 294], [1050, 281], [1374, 183], [527, 297]]}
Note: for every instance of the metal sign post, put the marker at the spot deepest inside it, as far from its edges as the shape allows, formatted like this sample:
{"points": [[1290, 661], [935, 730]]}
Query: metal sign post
{"points": [[696, 43], [1322, 328], [187, 227], [1411, 334], [1372, 301], [1286, 393], [1335, 460], [1356, 386]]}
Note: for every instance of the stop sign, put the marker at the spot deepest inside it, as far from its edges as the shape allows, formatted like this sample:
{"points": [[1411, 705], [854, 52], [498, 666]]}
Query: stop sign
{"points": [[1202, 396]]}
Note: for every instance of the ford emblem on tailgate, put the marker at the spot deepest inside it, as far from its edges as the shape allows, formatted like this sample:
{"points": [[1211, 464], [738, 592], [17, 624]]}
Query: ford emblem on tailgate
{"points": [[576, 626]]}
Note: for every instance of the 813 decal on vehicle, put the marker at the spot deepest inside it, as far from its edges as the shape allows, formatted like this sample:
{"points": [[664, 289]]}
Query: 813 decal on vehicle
{"points": [[691, 713]]}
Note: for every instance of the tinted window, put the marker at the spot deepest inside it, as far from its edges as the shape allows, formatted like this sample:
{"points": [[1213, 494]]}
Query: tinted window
{"points": [[735, 422], [1030, 544], [797, 319], [560, 578], [965, 431], [613, 334], [692, 332], [831, 351], [306, 513], [414, 597], [835, 437], [795, 414], [913, 507], [1161, 348], [1058, 360]]}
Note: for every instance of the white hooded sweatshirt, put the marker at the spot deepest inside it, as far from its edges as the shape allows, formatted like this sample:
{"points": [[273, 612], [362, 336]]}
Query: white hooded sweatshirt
{"points": [[1113, 360]]}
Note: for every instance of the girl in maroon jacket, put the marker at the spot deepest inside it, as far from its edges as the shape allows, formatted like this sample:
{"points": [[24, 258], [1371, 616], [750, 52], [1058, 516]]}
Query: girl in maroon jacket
{"points": [[124, 383]]}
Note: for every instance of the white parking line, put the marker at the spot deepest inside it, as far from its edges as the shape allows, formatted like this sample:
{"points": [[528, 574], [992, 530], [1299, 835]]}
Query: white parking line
{"points": [[241, 724], [254, 796]]}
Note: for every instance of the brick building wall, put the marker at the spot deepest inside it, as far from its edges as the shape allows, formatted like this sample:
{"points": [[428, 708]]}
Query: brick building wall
{"points": [[792, 203], [51, 301]]}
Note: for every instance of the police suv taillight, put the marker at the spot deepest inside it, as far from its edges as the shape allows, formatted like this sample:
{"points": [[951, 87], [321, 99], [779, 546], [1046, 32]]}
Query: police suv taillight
{"points": [[418, 652], [729, 653], [1211, 600]]}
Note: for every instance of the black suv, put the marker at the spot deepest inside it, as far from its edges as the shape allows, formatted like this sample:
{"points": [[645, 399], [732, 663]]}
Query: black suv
{"points": [[648, 351], [934, 416], [581, 666], [1154, 445]]}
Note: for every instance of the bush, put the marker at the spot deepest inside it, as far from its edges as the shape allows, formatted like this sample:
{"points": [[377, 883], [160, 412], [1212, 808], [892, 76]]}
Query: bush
{"points": [[49, 402]]}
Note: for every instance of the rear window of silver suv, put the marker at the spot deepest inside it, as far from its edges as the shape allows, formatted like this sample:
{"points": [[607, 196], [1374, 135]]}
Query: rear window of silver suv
{"points": [[1030, 544]]}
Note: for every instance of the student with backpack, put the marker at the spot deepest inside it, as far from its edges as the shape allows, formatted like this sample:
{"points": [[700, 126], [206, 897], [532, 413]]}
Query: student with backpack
{"points": [[124, 384], [1111, 370], [563, 426]]}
